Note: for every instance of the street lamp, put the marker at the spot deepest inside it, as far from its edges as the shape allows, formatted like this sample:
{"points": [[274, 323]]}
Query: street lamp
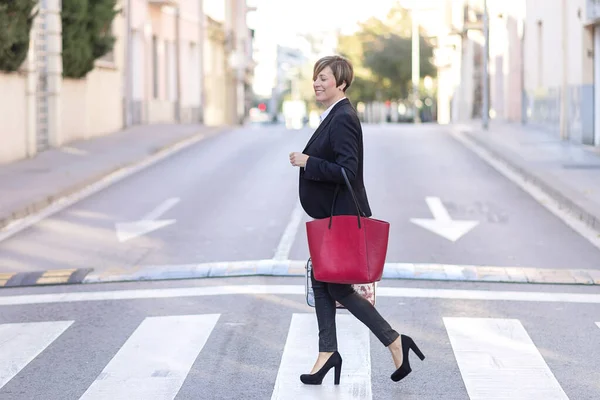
{"points": [[416, 6], [415, 65]]}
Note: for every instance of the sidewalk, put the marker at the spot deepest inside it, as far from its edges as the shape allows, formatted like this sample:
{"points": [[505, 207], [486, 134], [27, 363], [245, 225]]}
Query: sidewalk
{"points": [[567, 172], [29, 185]]}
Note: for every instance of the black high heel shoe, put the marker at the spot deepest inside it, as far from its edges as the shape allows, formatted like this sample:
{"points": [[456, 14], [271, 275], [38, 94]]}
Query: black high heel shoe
{"points": [[335, 360], [404, 369]]}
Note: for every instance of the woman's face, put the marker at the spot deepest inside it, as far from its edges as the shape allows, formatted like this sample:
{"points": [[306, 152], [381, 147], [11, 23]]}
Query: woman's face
{"points": [[326, 92]]}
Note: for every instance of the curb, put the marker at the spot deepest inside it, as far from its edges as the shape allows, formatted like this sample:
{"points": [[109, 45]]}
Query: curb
{"points": [[26, 216], [44, 278], [401, 271], [590, 219]]}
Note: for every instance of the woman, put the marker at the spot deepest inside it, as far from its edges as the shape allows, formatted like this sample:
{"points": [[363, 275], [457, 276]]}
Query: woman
{"points": [[337, 143]]}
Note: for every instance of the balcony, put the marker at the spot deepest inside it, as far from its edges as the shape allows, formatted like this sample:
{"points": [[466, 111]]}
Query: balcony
{"points": [[160, 3], [592, 8]]}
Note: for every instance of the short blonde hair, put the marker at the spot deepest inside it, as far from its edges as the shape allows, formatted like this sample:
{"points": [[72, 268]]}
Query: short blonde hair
{"points": [[341, 67]]}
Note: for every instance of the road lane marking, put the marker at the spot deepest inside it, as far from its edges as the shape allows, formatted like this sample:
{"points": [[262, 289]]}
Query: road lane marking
{"points": [[442, 224], [62, 203], [598, 323], [289, 235], [154, 362], [452, 294], [148, 223], [21, 343], [301, 350], [498, 360]]}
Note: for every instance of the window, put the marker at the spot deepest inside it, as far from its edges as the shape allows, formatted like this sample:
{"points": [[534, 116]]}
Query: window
{"points": [[194, 74], [155, 67], [540, 53], [171, 72]]}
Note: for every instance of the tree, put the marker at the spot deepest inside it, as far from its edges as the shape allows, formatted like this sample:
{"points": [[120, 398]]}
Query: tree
{"points": [[77, 46], [364, 86], [381, 53], [16, 18], [87, 35], [102, 14], [390, 59]]}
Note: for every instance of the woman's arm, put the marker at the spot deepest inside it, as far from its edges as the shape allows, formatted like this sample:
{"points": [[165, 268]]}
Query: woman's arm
{"points": [[344, 139]]}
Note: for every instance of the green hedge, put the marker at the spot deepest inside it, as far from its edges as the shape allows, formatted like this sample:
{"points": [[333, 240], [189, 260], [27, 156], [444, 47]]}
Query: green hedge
{"points": [[16, 18], [87, 35]]}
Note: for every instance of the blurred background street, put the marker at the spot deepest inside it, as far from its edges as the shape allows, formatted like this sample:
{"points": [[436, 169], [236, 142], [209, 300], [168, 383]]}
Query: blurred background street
{"points": [[152, 245]]}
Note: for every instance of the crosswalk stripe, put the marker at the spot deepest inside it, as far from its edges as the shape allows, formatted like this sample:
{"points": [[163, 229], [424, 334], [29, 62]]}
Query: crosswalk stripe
{"points": [[155, 360], [300, 353], [598, 323], [21, 343], [498, 360]]}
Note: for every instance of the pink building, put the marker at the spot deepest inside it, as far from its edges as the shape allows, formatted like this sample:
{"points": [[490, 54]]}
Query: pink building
{"points": [[459, 57], [174, 61]]}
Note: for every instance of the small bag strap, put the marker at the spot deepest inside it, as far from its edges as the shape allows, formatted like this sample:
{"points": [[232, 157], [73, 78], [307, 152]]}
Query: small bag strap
{"points": [[337, 189]]}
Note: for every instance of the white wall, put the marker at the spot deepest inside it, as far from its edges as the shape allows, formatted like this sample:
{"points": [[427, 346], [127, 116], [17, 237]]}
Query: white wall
{"points": [[550, 55], [13, 123], [74, 119], [542, 43]]}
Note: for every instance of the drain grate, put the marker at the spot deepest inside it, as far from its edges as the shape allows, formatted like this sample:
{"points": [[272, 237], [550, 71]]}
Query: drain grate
{"points": [[581, 166]]}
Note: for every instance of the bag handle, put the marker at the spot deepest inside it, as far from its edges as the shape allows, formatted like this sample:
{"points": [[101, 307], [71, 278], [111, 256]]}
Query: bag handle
{"points": [[337, 188]]}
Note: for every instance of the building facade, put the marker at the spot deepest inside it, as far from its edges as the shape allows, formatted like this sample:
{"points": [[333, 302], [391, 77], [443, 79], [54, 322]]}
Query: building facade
{"points": [[172, 63], [459, 56], [544, 64], [560, 68]]}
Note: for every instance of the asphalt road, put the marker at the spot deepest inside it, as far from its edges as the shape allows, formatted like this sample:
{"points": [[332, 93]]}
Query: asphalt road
{"points": [[231, 197], [260, 342]]}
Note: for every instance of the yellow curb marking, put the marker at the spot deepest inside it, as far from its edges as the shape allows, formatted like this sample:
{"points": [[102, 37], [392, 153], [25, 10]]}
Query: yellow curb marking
{"points": [[4, 277], [55, 276]]}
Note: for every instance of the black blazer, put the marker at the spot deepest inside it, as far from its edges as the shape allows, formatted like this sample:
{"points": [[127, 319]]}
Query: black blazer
{"points": [[336, 143]]}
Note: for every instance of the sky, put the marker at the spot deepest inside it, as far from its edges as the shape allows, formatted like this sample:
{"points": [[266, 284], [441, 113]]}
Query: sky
{"points": [[292, 16], [281, 21]]}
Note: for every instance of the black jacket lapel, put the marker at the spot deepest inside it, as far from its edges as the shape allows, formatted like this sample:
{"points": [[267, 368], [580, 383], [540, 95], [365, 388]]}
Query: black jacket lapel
{"points": [[326, 122]]}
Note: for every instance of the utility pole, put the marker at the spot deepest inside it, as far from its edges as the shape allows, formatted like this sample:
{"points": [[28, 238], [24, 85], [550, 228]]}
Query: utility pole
{"points": [[415, 65], [231, 72], [486, 76], [201, 56]]}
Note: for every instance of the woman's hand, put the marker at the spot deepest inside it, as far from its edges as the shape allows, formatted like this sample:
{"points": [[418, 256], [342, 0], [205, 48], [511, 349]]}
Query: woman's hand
{"points": [[298, 159]]}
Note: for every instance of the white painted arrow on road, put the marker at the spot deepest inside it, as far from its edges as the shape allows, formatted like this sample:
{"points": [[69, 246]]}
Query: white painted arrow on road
{"points": [[148, 223], [441, 223]]}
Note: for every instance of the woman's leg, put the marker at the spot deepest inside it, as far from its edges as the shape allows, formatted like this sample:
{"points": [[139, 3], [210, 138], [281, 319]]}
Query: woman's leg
{"points": [[368, 315], [325, 310], [364, 311]]}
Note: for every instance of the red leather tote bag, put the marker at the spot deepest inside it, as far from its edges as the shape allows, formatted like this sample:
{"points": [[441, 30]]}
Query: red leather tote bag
{"points": [[348, 249]]}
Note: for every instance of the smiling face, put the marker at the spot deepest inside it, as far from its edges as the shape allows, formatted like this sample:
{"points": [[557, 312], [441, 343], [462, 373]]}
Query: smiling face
{"points": [[332, 75], [326, 90]]}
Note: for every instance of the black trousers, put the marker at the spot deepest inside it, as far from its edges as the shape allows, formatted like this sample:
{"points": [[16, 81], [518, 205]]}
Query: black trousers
{"points": [[326, 294]]}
